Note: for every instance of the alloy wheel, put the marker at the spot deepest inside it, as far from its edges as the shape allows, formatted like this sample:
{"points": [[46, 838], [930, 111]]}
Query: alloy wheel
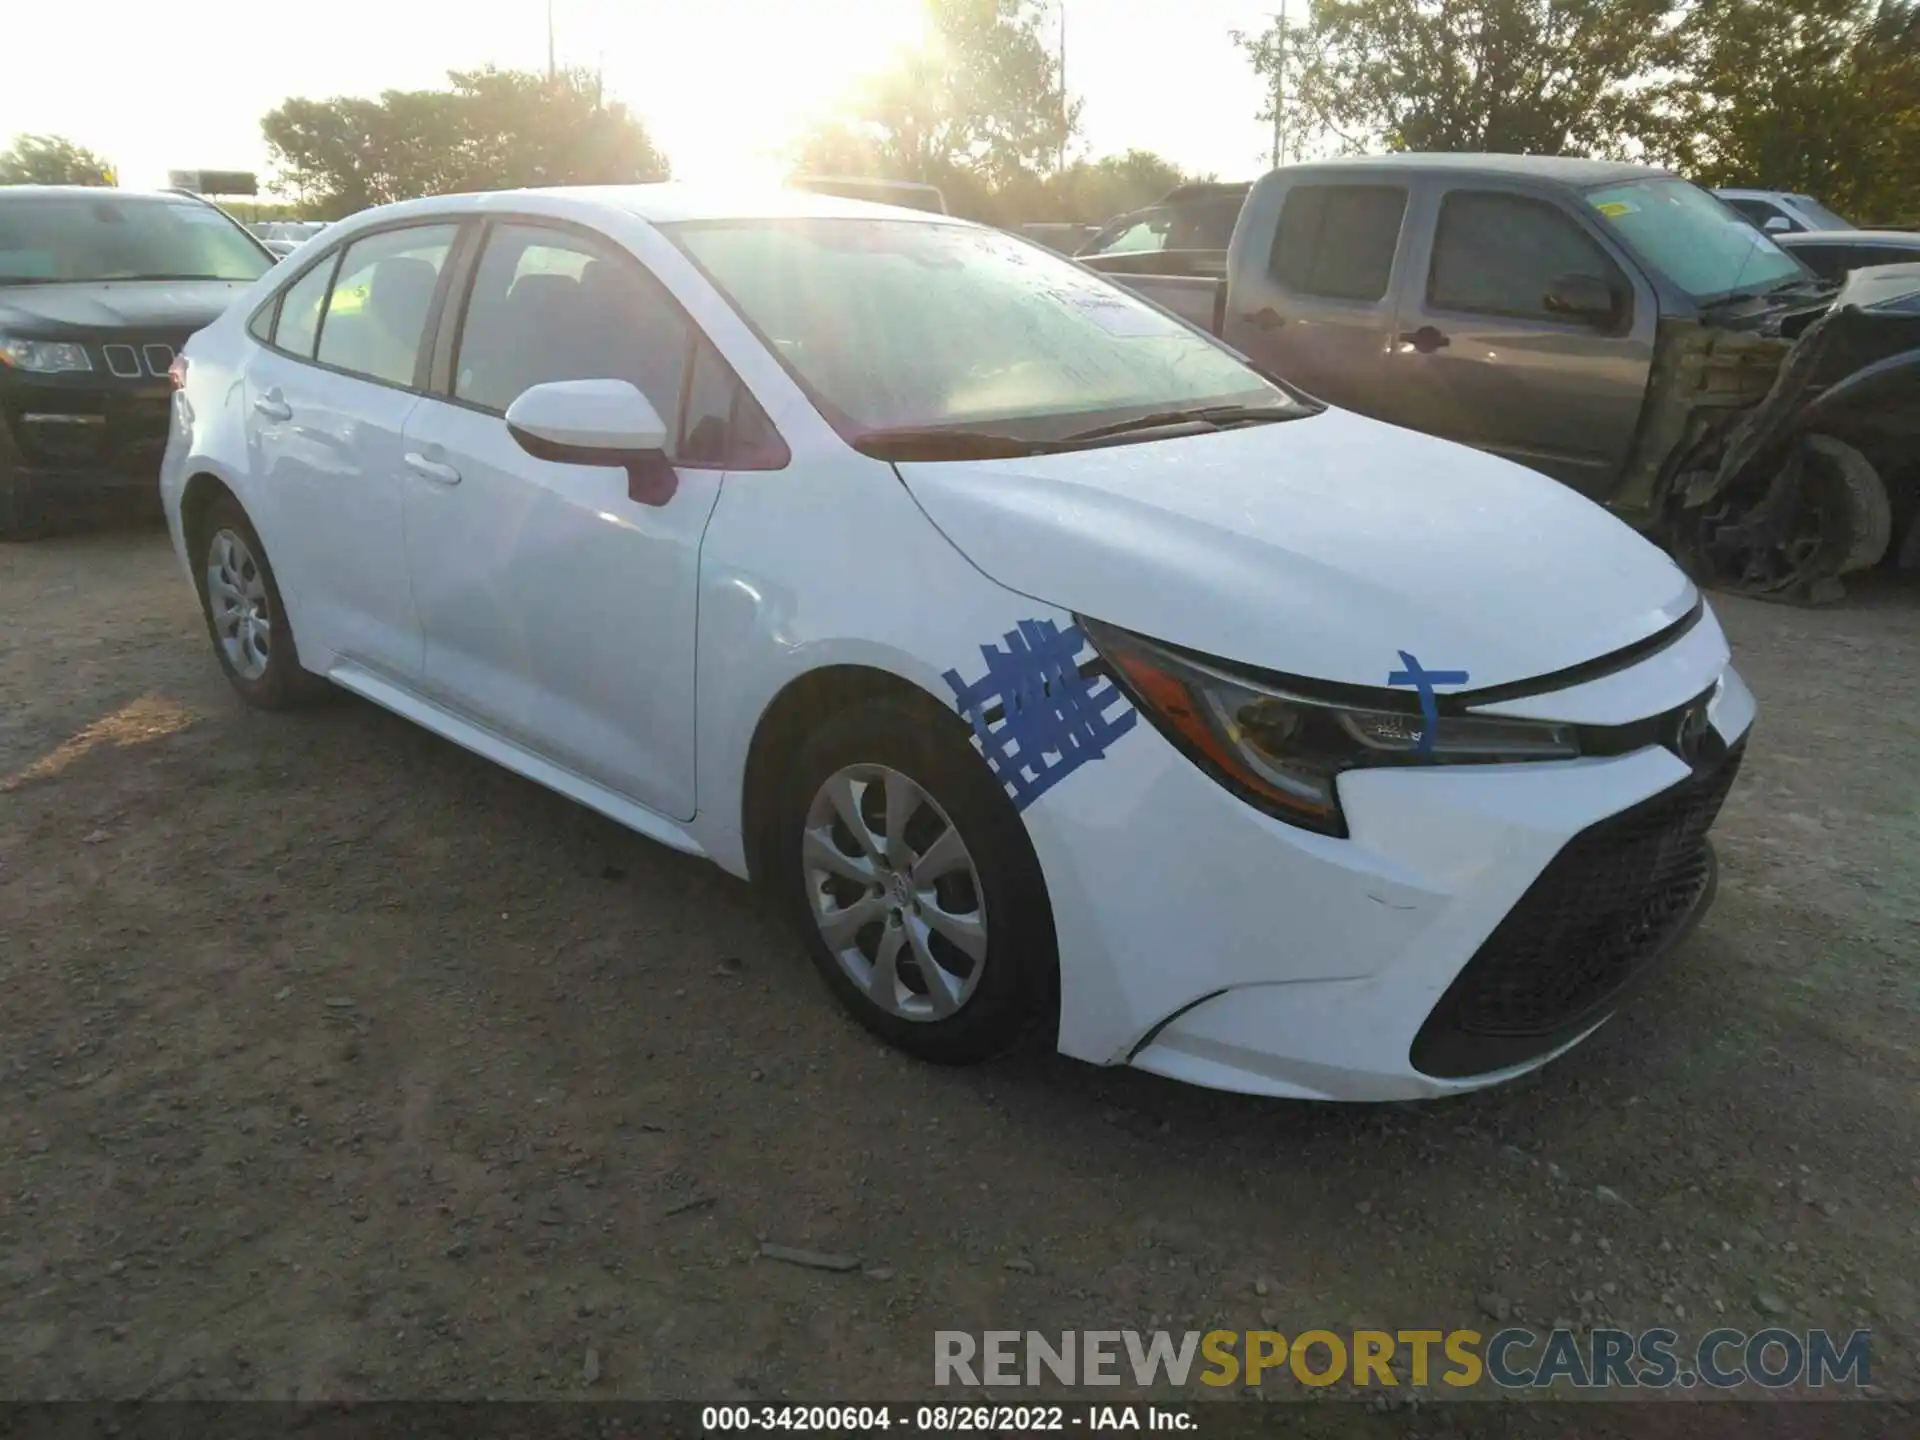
{"points": [[895, 893], [237, 600]]}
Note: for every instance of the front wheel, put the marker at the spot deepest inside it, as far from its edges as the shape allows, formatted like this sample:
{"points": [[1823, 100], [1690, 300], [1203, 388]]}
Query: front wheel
{"points": [[915, 883]]}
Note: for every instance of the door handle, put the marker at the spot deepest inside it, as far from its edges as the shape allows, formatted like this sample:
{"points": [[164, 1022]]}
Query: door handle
{"points": [[273, 405], [1266, 318], [432, 469], [1426, 340]]}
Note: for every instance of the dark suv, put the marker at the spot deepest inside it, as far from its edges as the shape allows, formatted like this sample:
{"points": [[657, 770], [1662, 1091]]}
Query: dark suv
{"points": [[99, 288]]}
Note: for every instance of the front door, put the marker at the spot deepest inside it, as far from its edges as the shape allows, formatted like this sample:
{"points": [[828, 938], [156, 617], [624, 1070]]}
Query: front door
{"points": [[328, 396], [558, 611], [1477, 355]]}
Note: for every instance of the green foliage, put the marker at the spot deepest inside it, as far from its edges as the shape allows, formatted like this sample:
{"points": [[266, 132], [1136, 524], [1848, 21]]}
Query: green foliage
{"points": [[1544, 77], [52, 160], [492, 130], [1815, 96], [1820, 97], [976, 110]]}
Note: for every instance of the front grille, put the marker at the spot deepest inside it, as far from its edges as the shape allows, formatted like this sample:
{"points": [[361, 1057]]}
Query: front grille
{"points": [[1615, 897], [109, 432], [123, 361]]}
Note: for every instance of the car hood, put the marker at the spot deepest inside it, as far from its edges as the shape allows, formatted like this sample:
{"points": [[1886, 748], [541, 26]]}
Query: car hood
{"points": [[47, 311], [1320, 547]]}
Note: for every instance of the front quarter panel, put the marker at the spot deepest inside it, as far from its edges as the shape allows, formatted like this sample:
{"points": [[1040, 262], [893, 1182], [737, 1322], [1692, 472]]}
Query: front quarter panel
{"points": [[827, 563]]}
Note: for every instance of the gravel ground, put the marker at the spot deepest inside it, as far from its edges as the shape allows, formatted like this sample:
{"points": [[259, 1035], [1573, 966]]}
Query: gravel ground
{"points": [[337, 1063]]}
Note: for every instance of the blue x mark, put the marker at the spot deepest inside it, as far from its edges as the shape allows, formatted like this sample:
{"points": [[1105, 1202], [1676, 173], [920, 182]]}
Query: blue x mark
{"points": [[1424, 681]]}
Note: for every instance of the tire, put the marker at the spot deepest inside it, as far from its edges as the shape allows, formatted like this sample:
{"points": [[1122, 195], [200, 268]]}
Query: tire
{"points": [[1868, 511], [265, 671], [992, 898]]}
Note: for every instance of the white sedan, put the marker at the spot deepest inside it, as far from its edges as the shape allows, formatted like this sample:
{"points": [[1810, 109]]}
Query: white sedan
{"points": [[1061, 672]]}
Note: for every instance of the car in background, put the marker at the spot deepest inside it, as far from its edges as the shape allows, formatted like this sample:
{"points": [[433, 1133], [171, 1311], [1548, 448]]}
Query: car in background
{"points": [[1832, 253], [1781, 212], [1063, 237], [909, 194], [1184, 232], [1062, 677], [99, 289], [1546, 309]]}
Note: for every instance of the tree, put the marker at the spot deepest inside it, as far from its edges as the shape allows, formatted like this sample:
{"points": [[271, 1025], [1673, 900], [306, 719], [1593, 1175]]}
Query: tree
{"points": [[1094, 191], [493, 130], [1820, 97], [52, 160], [1544, 77], [976, 109]]}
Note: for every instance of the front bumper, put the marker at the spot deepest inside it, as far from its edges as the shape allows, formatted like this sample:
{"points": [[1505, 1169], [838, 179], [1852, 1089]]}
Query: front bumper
{"points": [[1204, 940], [67, 443]]}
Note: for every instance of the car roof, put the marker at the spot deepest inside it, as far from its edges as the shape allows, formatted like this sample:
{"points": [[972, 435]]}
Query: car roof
{"points": [[1851, 237], [662, 203], [1206, 190], [878, 182], [1554, 169], [95, 192]]}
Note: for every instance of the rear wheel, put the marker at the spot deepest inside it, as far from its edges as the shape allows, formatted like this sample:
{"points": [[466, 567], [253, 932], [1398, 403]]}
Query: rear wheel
{"points": [[245, 618], [915, 885]]}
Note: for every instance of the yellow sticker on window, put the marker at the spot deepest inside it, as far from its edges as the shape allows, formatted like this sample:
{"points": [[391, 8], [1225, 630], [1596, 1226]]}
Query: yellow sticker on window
{"points": [[1614, 209]]}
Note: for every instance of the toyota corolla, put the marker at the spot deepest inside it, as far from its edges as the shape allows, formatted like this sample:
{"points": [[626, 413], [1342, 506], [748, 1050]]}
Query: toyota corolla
{"points": [[1064, 673]]}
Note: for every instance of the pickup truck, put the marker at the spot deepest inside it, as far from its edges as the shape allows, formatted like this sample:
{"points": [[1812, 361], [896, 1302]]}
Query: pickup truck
{"points": [[1605, 323]]}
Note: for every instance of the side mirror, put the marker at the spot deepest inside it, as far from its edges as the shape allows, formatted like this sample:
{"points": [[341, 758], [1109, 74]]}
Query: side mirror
{"points": [[1583, 297], [1777, 225], [597, 422]]}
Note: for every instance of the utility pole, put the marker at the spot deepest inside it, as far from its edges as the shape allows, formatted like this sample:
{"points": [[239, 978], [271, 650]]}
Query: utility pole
{"points": [[552, 70], [1062, 164], [1279, 84]]}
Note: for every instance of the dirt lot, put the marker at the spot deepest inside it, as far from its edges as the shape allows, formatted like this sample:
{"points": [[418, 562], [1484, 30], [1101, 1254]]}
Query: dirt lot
{"points": [[338, 1063]]}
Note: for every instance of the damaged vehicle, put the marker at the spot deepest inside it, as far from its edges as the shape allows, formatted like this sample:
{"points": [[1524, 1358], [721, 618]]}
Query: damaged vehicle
{"points": [[1608, 324]]}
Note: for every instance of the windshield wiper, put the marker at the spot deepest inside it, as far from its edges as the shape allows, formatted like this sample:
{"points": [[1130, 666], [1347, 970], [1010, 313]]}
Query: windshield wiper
{"points": [[934, 444], [1218, 416]]}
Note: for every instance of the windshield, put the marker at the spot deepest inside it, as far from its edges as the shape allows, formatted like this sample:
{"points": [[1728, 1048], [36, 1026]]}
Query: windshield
{"points": [[902, 325], [56, 238], [1699, 242]]}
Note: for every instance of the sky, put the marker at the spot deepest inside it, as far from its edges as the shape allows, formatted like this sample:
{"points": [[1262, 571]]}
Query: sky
{"points": [[723, 85]]}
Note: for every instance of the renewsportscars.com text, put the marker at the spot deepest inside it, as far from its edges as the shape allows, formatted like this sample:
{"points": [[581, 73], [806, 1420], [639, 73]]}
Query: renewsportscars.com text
{"points": [[1511, 1358]]}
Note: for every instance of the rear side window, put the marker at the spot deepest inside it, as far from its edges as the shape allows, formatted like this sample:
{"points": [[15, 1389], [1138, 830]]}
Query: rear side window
{"points": [[1498, 254], [1758, 211], [376, 319], [1338, 241], [551, 305], [300, 307]]}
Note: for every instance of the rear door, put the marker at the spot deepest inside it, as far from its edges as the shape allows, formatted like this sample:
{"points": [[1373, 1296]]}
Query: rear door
{"points": [[1312, 288], [1478, 357], [329, 390]]}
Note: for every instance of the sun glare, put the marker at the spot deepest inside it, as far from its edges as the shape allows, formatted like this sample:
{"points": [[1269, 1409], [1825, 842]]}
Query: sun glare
{"points": [[782, 67]]}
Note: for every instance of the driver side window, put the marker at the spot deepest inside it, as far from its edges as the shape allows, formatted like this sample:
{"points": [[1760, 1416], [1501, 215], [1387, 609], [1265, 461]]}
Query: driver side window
{"points": [[551, 305]]}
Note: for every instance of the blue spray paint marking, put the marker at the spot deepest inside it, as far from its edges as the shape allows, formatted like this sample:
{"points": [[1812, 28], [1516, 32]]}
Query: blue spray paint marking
{"points": [[1425, 680], [1053, 719]]}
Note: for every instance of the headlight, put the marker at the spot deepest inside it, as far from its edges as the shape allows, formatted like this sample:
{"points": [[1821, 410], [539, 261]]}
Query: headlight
{"points": [[46, 356], [1281, 748]]}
